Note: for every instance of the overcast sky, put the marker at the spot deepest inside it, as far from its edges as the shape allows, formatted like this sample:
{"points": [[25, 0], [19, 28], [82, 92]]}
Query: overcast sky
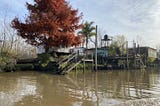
{"points": [[138, 20]]}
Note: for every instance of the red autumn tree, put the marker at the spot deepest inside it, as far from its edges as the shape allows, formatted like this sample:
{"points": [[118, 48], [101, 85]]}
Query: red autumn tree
{"points": [[51, 23]]}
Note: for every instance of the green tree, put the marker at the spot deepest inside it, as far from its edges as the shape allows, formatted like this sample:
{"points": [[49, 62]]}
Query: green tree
{"points": [[114, 49], [121, 42], [117, 46], [88, 30]]}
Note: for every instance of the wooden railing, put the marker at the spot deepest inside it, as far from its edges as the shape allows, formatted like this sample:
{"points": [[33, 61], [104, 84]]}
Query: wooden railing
{"points": [[69, 63]]}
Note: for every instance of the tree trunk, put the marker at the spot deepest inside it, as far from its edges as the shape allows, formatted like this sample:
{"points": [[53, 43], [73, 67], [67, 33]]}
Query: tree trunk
{"points": [[46, 49], [86, 42]]}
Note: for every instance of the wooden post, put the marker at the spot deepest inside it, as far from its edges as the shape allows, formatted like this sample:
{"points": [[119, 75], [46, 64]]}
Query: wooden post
{"points": [[96, 50], [127, 55], [92, 63], [76, 61], [134, 48], [84, 66]]}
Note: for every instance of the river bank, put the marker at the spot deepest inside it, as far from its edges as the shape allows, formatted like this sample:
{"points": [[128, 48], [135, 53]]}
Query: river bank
{"points": [[7, 64]]}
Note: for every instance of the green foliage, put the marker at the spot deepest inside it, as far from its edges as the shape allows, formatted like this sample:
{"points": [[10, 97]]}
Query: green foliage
{"points": [[117, 46], [150, 60], [7, 64], [80, 66], [24, 67], [113, 49], [44, 59], [7, 54], [2, 63], [88, 31]]}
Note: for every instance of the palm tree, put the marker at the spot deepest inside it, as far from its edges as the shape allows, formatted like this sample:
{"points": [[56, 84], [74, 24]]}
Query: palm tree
{"points": [[87, 31]]}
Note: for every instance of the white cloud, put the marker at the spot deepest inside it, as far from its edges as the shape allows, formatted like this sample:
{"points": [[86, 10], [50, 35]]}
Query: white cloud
{"points": [[129, 17]]}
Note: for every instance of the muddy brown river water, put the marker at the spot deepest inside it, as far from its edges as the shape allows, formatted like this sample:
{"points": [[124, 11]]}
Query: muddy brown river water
{"points": [[102, 88]]}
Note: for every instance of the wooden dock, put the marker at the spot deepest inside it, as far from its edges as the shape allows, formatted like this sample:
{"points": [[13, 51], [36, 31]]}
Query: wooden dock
{"points": [[137, 61]]}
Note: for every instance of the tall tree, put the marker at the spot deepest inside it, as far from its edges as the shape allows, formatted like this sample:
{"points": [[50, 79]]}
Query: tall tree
{"points": [[121, 42], [121, 39], [51, 23], [88, 30]]}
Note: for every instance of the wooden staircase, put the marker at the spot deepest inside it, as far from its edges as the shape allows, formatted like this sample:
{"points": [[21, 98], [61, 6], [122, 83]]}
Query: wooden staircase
{"points": [[139, 63], [68, 63]]}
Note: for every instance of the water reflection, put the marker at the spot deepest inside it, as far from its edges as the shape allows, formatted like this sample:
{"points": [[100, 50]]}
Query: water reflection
{"points": [[14, 89], [77, 89], [114, 87]]}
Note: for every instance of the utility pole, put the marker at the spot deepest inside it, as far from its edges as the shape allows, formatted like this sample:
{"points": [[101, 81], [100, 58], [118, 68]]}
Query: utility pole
{"points": [[96, 50], [134, 48], [127, 55]]}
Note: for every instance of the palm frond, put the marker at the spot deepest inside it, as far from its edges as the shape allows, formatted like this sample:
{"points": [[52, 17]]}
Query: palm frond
{"points": [[92, 34], [88, 30]]}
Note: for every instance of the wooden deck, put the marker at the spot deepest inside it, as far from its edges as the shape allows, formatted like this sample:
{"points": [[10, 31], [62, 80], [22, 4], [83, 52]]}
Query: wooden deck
{"points": [[87, 60]]}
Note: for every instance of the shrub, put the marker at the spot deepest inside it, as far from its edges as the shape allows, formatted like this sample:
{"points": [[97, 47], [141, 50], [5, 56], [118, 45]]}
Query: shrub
{"points": [[24, 67], [7, 64], [44, 59]]}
